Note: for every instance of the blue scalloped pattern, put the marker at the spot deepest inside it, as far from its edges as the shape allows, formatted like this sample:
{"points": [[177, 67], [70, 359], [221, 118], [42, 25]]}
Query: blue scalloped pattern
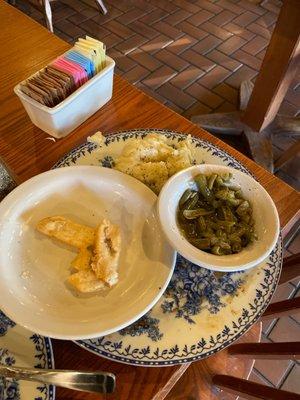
{"points": [[9, 388], [194, 277]]}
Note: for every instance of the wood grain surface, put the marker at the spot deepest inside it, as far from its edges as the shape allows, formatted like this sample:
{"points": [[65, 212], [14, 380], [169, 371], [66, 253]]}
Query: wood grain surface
{"points": [[27, 47]]}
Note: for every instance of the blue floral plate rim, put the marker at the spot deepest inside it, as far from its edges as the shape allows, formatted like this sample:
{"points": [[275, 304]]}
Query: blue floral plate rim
{"points": [[112, 351], [114, 356], [44, 359]]}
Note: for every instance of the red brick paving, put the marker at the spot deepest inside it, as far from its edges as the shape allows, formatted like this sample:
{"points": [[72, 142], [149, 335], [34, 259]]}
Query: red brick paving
{"points": [[160, 76], [193, 56], [186, 77]]}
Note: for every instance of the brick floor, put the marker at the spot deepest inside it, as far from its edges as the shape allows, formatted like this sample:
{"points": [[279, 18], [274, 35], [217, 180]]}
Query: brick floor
{"points": [[193, 56]]}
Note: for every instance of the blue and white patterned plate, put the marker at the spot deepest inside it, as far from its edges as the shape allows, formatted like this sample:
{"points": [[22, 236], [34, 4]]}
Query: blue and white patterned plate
{"points": [[22, 348], [201, 312]]}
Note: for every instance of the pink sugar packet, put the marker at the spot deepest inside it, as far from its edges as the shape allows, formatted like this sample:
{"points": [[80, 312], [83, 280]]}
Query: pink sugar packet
{"points": [[82, 72], [78, 73]]}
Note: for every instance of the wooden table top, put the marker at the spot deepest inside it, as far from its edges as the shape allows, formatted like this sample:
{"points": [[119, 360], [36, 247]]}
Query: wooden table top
{"points": [[27, 47]]}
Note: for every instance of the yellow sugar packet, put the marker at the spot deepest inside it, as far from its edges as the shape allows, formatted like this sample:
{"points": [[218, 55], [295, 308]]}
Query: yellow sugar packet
{"points": [[90, 54], [101, 47], [97, 46], [87, 46], [97, 56]]}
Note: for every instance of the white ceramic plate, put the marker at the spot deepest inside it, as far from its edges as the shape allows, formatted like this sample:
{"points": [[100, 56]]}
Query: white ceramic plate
{"points": [[34, 268], [19, 347], [201, 312]]}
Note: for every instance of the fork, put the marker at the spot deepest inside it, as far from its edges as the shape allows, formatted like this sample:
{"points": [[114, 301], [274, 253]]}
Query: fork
{"points": [[95, 382]]}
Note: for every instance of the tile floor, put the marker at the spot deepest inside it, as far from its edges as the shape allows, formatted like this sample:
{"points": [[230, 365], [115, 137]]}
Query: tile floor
{"points": [[192, 55]]}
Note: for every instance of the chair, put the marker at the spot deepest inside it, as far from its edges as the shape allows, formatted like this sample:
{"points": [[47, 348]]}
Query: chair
{"points": [[205, 380], [45, 7]]}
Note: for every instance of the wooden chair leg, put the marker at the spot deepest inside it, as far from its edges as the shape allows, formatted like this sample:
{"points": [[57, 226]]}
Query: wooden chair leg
{"points": [[282, 308], [288, 154], [251, 390], [102, 7], [290, 268], [47, 14], [267, 351]]}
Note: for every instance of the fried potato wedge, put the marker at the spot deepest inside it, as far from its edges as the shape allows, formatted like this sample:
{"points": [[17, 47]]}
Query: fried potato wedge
{"points": [[85, 281], [82, 260], [107, 249], [67, 231]]}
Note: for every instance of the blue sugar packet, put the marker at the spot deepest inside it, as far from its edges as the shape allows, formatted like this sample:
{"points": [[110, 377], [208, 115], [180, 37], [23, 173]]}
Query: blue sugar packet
{"points": [[81, 57], [83, 61]]}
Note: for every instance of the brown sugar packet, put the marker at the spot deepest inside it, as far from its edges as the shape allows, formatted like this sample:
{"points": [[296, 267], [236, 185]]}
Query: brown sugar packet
{"points": [[49, 88], [33, 94], [36, 93], [39, 86], [56, 82], [64, 80], [67, 78], [47, 98]]}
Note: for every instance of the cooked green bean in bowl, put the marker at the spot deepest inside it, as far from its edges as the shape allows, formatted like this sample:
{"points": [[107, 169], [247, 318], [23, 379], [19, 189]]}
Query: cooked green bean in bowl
{"points": [[218, 217], [214, 216]]}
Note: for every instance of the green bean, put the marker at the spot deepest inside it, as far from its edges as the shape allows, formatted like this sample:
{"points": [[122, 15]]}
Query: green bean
{"points": [[186, 195], [202, 244], [243, 208], [234, 202], [216, 203], [214, 240], [236, 188], [240, 231], [219, 181], [215, 217], [193, 214], [224, 245], [245, 218], [208, 234], [191, 202], [226, 213], [190, 230], [238, 194], [224, 224], [202, 186], [217, 250], [211, 181], [201, 223], [226, 176], [222, 194], [236, 247]]}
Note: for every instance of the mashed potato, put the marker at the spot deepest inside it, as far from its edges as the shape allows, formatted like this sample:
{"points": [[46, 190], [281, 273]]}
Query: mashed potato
{"points": [[151, 159]]}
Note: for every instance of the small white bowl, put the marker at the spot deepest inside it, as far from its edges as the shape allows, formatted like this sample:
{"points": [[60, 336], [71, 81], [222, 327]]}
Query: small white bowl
{"points": [[264, 214]]}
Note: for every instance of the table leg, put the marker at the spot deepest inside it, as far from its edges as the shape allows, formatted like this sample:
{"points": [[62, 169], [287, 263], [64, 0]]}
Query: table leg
{"points": [[278, 68], [259, 103]]}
